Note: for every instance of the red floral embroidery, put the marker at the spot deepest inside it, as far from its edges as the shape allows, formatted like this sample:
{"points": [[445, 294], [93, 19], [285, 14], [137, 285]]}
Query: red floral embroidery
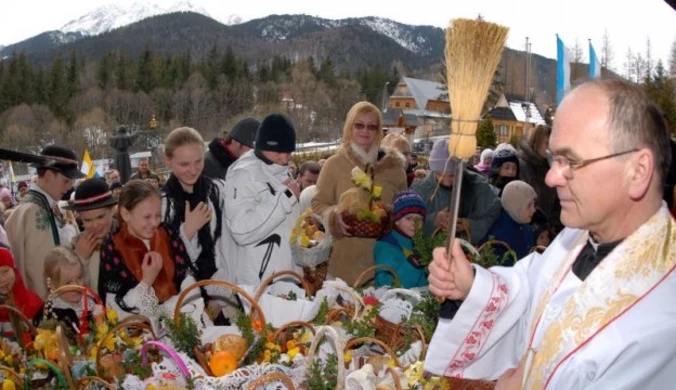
{"points": [[476, 338]]}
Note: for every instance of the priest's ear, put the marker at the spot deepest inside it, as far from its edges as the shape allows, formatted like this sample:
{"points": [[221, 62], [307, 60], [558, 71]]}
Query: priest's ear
{"points": [[641, 173]]}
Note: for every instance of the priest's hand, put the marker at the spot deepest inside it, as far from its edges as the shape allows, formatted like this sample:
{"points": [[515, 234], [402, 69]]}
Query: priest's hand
{"points": [[451, 278], [196, 218], [151, 267]]}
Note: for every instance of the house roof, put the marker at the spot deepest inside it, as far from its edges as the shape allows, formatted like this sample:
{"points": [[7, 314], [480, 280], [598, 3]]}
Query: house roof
{"points": [[504, 113], [423, 91], [391, 117]]}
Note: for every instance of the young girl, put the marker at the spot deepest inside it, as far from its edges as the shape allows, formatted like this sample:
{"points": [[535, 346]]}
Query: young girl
{"points": [[396, 249], [13, 292], [63, 267], [192, 204], [504, 167], [144, 264]]}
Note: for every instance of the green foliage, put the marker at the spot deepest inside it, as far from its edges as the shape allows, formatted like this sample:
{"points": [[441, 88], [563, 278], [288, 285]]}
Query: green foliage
{"points": [[515, 141], [486, 136], [363, 325], [320, 319], [488, 258], [423, 245], [322, 376], [426, 315], [186, 336]]}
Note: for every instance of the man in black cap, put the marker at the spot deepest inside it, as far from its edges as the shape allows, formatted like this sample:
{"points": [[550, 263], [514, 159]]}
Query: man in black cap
{"points": [[224, 151], [94, 204], [37, 225], [261, 205]]}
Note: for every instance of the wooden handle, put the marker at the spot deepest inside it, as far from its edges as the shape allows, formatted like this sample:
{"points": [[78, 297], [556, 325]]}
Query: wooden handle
{"points": [[358, 299], [269, 378], [86, 380], [264, 284], [332, 335], [211, 282], [65, 358], [357, 283], [361, 340]]}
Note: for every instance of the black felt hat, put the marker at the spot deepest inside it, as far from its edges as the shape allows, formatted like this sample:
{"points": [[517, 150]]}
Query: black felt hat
{"points": [[276, 134], [92, 194], [62, 160]]}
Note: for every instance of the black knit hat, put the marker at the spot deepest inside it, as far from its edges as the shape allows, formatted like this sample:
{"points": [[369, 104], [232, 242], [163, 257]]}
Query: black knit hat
{"points": [[276, 134], [62, 160], [92, 194], [244, 131]]}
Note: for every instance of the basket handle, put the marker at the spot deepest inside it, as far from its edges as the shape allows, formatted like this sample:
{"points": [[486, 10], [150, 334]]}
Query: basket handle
{"points": [[164, 347], [396, 377], [387, 348], [271, 377], [293, 324], [362, 276], [332, 335], [65, 358], [119, 327], [221, 283], [503, 244], [86, 380], [18, 378], [352, 293], [264, 284], [537, 248], [59, 375], [24, 319]]}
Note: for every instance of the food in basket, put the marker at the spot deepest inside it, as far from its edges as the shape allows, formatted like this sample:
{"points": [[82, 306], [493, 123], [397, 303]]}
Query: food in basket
{"points": [[361, 209], [222, 363], [308, 232], [232, 343]]}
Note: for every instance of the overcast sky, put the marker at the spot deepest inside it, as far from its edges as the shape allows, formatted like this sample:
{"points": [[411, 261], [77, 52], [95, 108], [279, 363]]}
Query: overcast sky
{"points": [[629, 22]]}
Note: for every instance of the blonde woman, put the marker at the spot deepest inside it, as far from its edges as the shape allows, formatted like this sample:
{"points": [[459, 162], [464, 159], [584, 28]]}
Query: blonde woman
{"points": [[362, 134]]}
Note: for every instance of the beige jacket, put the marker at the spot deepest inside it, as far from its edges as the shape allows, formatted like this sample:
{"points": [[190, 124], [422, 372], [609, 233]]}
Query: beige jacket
{"points": [[350, 256]]}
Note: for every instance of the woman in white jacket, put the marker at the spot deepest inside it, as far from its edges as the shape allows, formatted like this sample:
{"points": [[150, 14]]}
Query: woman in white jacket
{"points": [[192, 206]]}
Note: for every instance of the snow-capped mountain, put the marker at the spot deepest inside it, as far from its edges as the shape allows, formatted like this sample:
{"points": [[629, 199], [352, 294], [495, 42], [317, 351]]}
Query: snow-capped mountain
{"points": [[112, 16]]}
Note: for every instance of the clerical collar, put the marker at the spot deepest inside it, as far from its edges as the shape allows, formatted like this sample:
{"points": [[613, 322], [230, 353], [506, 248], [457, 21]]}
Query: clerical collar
{"points": [[591, 256]]}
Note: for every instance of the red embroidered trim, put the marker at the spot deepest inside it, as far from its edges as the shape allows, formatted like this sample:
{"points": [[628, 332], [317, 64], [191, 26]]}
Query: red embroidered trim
{"points": [[473, 344]]}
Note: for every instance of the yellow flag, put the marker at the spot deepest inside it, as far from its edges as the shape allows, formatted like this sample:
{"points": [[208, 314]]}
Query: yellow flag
{"points": [[88, 167]]}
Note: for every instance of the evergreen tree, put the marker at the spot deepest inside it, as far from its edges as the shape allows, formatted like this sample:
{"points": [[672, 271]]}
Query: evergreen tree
{"points": [[184, 67], [486, 136], [57, 93], [211, 68], [105, 70], [660, 89], [40, 83], [229, 66], [72, 82], [122, 72], [24, 82], [145, 77], [327, 72]]}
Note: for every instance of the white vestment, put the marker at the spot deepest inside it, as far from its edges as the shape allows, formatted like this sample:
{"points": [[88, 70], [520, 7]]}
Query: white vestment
{"points": [[616, 330]]}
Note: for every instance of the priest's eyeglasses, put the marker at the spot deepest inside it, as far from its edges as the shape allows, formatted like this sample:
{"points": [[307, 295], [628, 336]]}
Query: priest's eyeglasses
{"points": [[565, 166]]}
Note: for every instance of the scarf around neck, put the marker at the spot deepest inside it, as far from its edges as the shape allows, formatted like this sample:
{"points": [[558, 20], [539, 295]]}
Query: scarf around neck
{"points": [[205, 191]]}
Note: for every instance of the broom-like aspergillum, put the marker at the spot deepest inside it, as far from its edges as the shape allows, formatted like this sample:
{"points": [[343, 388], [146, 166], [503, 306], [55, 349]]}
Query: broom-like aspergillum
{"points": [[473, 52]]}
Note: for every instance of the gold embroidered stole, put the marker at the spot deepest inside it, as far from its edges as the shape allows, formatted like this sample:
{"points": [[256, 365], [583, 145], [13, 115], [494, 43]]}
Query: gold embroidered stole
{"points": [[625, 276]]}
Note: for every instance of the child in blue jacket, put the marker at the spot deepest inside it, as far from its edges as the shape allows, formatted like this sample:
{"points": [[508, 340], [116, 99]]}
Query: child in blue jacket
{"points": [[396, 248]]}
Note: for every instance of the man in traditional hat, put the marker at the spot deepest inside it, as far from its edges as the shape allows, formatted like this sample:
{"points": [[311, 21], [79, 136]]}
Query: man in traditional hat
{"points": [[94, 204], [37, 225], [224, 151], [261, 205]]}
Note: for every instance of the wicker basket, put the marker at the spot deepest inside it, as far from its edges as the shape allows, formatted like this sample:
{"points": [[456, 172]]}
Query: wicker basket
{"points": [[25, 335], [271, 378], [282, 333], [366, 228], [361, 340], [365, 276], [469, 384], [264, 284], [315, 276], [498, 243], [109, 370], [331, 334], [312, 257], [183, 368], [256, 312]]}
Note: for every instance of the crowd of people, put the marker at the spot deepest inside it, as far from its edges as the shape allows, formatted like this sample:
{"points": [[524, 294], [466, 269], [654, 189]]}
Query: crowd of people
{"points": [[227, 213]]}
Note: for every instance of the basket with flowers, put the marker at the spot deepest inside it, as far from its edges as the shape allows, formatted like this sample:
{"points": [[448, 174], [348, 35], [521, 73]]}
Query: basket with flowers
{"points": [[310, 245], [361, 209]]}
